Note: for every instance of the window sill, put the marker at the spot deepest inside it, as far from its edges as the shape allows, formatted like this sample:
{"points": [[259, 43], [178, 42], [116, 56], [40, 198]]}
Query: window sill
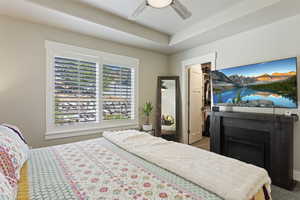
{"points": [[50, 135]]}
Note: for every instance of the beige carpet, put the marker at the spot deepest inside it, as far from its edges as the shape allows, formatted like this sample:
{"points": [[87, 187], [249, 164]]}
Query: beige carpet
{"points": [[282, 194]]}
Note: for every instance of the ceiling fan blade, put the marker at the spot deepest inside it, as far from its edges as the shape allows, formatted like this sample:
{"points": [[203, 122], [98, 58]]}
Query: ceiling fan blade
{"points": [[181, 10], [139, 10]]}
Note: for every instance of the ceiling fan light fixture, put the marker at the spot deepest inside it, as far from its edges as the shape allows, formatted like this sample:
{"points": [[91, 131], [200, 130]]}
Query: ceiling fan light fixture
{"points": [[159, 3], [179, 8]]}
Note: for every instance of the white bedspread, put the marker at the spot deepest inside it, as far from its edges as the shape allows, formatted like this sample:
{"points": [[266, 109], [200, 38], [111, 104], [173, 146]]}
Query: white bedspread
{"points": [[229, 178]]}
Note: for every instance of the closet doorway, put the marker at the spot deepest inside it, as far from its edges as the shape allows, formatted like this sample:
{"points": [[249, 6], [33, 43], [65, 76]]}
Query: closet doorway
{"points": [[199, 98], [197, 121]]}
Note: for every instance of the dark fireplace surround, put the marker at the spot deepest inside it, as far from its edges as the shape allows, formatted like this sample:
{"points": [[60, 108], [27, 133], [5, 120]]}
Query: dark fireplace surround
{"points": [[264, 140]]}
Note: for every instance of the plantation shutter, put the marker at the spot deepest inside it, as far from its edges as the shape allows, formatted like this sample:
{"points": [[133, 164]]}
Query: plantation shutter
{"points": [[118, 91], [75, 91]]}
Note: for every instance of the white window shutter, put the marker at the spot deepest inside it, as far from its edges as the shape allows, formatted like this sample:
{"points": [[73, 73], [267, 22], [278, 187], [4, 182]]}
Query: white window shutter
{"points": [[75, 91], [118, 93]]}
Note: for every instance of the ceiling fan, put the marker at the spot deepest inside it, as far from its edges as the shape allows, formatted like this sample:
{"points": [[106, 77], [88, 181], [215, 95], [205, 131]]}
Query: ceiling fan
{"points": [[180, 9]]}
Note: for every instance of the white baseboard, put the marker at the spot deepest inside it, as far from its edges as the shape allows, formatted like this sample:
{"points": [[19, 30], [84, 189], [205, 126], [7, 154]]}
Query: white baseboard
{"points": [[297, 175]]}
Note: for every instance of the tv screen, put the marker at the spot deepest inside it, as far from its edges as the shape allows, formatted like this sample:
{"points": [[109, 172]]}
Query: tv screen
{"points": [[269, 84]]}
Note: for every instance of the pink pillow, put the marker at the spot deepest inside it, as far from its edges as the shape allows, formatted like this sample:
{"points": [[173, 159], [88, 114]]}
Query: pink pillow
{"points": [[13, 154], [6, 191], [7, 166]]}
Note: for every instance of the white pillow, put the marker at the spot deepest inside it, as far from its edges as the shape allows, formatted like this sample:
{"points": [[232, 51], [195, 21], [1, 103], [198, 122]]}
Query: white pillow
{"points": [[16, 131]]}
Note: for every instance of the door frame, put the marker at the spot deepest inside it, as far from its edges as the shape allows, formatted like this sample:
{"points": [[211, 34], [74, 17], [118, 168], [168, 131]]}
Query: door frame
{"points": [[185, 65]]}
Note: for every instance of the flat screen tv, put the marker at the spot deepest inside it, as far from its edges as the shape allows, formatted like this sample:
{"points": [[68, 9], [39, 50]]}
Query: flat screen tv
{"points": [[268, 84]]}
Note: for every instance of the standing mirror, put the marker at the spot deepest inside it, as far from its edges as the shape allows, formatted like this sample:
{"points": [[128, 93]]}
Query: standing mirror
{"points": [[167, 107]]}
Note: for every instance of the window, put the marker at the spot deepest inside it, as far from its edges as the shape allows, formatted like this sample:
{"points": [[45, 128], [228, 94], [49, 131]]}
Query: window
{"points": [[88, 91], [117, 92]]}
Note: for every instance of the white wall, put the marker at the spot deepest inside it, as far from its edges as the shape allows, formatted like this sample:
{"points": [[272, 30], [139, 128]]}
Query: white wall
{"points": [[23, 73], [273, 41]]}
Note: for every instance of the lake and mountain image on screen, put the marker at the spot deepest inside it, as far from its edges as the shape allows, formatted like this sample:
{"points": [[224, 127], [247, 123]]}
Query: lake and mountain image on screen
{"points": [[269, 84]]}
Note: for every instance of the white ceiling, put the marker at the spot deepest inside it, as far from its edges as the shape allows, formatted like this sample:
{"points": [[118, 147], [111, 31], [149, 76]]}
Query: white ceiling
{"points": [[159, 30], [164, 20]]}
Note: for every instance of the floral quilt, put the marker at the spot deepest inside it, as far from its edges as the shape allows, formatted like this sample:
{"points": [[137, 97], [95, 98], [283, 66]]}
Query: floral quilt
{"points": [[99, 170]]}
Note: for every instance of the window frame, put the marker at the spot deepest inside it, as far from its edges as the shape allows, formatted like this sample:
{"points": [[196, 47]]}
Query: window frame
{"points": [[54, 49]]}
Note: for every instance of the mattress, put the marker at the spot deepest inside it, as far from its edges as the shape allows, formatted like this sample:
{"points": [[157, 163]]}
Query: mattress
{"points": [[97, 170]]}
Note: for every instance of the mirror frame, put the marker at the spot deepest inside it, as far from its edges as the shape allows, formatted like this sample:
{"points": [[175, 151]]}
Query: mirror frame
{"points": [[158, 104]]}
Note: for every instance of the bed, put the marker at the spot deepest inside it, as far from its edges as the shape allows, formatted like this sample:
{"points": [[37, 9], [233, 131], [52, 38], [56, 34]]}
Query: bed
{"points": [[100, 169]]}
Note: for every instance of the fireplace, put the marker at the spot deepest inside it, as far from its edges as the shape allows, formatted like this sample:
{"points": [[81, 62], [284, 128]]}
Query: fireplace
{"points": [[263, 140]]}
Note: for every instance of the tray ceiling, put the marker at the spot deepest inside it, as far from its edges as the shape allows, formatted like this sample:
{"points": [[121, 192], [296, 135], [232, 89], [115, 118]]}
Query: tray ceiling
{"points": [[160, 30], [164, 20]]}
